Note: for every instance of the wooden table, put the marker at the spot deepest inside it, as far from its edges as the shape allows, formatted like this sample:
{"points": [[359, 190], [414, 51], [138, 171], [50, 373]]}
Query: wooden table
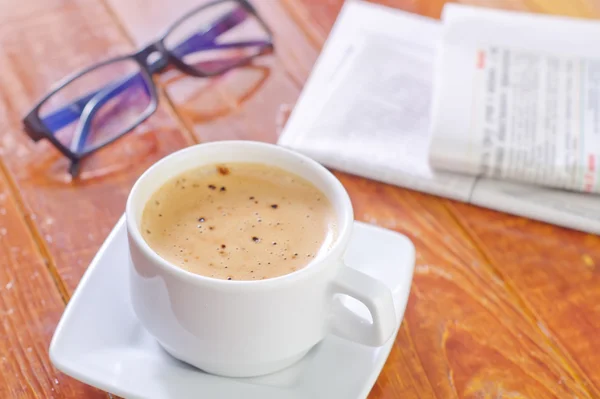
{"points": [[500, 306]]}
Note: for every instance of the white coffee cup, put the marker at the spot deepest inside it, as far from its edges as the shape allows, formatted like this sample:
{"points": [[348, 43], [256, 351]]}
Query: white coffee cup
{"points": [[249, 328]]}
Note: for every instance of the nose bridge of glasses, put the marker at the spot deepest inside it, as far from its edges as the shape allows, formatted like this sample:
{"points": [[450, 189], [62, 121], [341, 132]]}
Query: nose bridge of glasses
{"points": [[154, 57]]}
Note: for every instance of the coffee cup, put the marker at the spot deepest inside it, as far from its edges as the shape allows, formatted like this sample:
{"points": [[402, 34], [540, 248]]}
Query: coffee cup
{"points": [[251, 328]]}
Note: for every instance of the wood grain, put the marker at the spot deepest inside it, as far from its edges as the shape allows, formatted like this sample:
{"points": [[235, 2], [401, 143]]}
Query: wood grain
{"points": [[41, 43], [30, 306], [464, 329], [556, 273]]}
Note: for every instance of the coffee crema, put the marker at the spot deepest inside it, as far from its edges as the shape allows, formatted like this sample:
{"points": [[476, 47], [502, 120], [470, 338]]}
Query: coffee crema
{"points": [[239, 221]]}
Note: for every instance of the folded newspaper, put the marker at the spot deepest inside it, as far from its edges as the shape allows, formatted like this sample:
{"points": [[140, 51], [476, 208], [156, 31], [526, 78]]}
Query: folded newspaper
{"points": [[366, 110], [517, 98]]}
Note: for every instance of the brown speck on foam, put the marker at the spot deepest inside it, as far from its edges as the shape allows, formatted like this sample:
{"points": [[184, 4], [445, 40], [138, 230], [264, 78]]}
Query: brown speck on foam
{"points": [[223, 170], [211, 227], [251, 198], [223, 188], [228, 278], [147, 231], [255, 239], [223, 246], [212, 186], [201, 220], [274, 206]]}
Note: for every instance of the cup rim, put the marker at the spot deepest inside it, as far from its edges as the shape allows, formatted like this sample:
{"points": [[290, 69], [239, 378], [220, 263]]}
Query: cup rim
{"points": [[339, 245]]}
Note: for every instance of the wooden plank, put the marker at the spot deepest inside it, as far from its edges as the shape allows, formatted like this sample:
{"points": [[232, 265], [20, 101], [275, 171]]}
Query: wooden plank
{"points": [[30, 306], [464, 331], [40, 43], [459, 313], [555, 271]]}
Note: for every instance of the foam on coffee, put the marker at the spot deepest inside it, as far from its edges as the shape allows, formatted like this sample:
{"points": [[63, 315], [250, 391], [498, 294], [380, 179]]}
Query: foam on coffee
{"points": [[239, 221]]}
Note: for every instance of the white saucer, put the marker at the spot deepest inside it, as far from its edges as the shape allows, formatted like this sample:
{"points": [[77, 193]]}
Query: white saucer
{"points": [[100, 342]]}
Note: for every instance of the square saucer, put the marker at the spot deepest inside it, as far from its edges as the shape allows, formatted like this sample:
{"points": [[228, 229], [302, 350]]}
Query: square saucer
{"points": [[100, 341]]}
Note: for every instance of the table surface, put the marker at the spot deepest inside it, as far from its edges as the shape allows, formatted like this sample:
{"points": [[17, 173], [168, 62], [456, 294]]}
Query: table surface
{"points": [[500, 306]]}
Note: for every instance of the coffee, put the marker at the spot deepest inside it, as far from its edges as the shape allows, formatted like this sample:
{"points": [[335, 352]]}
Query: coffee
{"points": [[239, 221]]}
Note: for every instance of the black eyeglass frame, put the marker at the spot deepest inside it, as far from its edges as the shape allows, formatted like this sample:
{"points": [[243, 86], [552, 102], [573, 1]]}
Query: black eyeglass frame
{"points": [[37, 130]]}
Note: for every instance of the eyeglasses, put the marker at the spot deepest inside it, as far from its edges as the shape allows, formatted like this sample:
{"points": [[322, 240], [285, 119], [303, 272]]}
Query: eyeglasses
{"points": [[94, 107]]}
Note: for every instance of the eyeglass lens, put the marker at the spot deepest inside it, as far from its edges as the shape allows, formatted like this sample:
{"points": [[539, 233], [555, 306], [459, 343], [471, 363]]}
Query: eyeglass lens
{"points": [[218, 38], [98, 106]]}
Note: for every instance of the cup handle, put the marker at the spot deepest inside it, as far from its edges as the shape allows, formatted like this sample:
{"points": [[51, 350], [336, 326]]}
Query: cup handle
{"points": [[376, 296]]}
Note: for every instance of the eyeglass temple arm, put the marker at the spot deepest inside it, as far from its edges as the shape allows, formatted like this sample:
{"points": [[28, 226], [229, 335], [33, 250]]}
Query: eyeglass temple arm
{"points": [[198, 42]]}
